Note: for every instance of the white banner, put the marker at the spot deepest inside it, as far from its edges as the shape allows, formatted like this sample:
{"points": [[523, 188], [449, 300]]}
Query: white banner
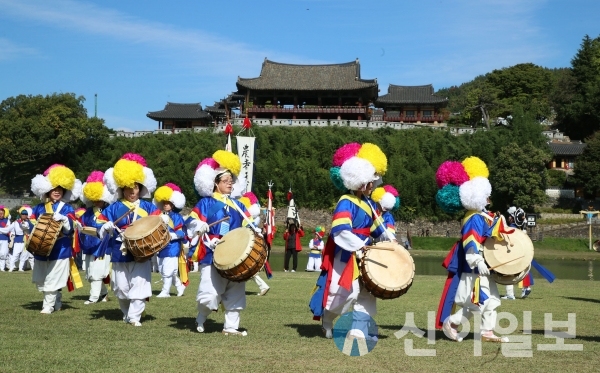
{"points": [[245, 148]]}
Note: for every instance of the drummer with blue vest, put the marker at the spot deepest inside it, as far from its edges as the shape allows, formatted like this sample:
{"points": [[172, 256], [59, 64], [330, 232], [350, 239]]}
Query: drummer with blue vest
{"points": [[214, 181]]}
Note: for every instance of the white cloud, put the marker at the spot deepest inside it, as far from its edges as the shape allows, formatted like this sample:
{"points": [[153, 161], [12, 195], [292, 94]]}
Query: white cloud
{"points": [[11, 51]]}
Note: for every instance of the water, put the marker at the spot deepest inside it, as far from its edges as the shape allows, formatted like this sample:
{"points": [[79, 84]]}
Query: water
{"points": [[432, 266]]}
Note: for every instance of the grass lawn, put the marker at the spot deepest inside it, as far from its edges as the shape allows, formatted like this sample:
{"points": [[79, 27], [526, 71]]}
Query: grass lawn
{"points": [[282, 337]]}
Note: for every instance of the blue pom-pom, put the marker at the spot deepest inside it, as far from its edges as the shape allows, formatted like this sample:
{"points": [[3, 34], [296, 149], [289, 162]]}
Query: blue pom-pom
{"points": [[448, 198], [336, 178], [397, 204]]}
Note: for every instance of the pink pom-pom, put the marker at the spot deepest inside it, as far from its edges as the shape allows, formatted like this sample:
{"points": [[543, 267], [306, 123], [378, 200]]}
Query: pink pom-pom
{"points": [[173, 187], [451, 172], [252, 197], [208, 161], [51, 167], [135, 157], [344, 153], [390, 189], [95, 176]]}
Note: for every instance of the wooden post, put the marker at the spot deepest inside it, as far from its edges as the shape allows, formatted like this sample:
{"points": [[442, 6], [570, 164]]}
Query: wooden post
{"points": [[589, 214]]}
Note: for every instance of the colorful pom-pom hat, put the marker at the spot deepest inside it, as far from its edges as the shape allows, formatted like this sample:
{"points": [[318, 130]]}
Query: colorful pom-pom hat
{"points": [[27, 209], [169, 193], [57, 175], [95, 190], [320, 231], [355, 165], [222, 161], [6, 212], [128, 170], [463, 185], [251, 202], [387, 196]]}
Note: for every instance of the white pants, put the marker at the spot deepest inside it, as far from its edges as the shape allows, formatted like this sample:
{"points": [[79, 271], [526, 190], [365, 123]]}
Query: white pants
{"points": [[487, 309], [96, 271], [169, 268], [215, 289], [50, 275], [18, 256], [262, 285], [132, 308], [131, 285], [52, 300], [3, 255], [510, 290], [314, 264]]}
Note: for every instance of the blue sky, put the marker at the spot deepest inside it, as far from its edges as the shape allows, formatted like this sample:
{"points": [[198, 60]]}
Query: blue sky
{"points": [[137, 55]]}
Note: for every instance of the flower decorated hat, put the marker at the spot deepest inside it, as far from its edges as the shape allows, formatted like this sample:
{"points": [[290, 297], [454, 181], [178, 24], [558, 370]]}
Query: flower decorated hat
{"points": [[169, 193], [354, 165], [128, 171], [387, 196], [251, 202], [94, 190], [463, 185], [222, 161], [27, 209], [57, 175]]}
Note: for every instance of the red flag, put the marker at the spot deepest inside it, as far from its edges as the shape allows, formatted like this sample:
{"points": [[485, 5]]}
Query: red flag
{"points": [[247, 124], [228, 129], [290, 195]]}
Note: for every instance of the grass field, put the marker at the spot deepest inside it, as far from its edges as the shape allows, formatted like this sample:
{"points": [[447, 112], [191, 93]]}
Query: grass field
{"points": [[282, 337]]}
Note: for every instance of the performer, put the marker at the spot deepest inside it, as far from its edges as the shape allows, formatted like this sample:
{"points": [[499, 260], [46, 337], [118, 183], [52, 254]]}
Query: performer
{"points": [[19, 240], [292, 246], [96, 197], [316, 246], [130, 179], [465, 186], [4, 237], [516, 219], [55, 187], [214, 179], [251, 203], [387, 200], [171, 259], [355, 168]]}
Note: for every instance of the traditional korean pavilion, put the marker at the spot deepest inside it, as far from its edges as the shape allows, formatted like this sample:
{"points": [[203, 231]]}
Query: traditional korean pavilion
{"points": [[288, 91], [175, 116], [222, 110], [411, 104]]}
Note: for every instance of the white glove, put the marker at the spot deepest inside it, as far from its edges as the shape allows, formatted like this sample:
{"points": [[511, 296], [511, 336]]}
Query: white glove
{"points": [[258, 231], [78, 225], [174, 236], [60, 217], [201, 227], [109, 226], [25, 225], [483, 268], [165, 218], [211, 244]]}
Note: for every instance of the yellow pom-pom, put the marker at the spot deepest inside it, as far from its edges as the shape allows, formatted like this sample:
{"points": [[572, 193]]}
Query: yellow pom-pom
{"points": [[127, 173], [228, 160], [63, 176], [93, 191], [163, 194], [474, 167], [375, 156], [245, 201], [377, 194]]}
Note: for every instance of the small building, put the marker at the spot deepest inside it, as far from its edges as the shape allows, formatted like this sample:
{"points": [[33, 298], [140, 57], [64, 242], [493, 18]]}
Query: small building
{"points": [[412, 104], [288, 91], [564, 155], [223, 109], [175, 116]]}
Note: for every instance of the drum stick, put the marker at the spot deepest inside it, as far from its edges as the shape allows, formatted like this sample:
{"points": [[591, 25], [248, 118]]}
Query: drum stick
{"points": [[216, 222], [91, 231], [380, 248], [124, 215], [512, 260]]}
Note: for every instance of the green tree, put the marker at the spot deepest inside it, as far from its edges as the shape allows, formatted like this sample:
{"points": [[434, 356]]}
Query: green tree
{"points": [[519, 177], [587, 167], [37, 131]]}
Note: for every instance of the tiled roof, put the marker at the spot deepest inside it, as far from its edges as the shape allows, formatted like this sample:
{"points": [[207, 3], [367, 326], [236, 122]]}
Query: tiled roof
{"points": [[179, 111], [407, 94], [566, 148], [281, 76]]}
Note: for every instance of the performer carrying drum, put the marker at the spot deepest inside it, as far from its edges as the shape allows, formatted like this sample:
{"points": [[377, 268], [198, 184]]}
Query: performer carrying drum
{"points": [[130, 180], [56, 187], [465, 186], [97, 265], [170, 200], [213, 180], [355, 168]]}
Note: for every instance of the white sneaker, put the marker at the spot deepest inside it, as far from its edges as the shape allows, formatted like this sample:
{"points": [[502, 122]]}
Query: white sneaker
{"points": [[451, 332], [180, 291], [135, 323], [46, 310], [285, 270], [234, 332], [200, 328], [293, 270], [90, 302], [263, 292], [508, 297], [163, 295]]}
